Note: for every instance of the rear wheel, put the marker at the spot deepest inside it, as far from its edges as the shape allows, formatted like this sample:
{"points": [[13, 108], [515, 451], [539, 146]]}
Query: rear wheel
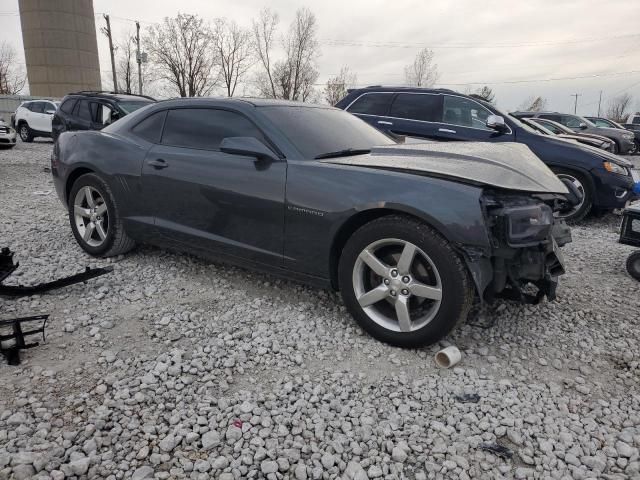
{"points": [[26, 134], [95, 218], [633, 265], [403, 283], [577, 212]]}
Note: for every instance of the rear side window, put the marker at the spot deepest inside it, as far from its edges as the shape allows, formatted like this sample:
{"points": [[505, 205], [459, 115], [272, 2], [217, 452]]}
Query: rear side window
{"points": [[204, 128], [636, 120], [150, 129], [372, 104], [83, 110], [67, 105], [36, 107], [413, 106], [571, 122]]}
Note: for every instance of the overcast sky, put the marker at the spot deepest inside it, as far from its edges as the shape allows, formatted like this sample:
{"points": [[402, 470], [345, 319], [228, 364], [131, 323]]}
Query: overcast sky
{"points": [[475, 42]]}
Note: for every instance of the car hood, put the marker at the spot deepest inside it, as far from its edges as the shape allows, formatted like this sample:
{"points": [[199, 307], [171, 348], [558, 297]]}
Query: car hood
{"points": [[615, 132], [593, 138], [505, 165]]}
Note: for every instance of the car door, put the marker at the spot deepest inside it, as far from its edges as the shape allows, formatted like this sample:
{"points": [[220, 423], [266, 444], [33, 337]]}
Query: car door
{"points": [[211, 201], [81, 118], [415, 116], [465, 119], [37, 117]]}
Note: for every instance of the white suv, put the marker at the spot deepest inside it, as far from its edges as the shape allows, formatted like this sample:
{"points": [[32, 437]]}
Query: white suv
{"points": [[33, 119]]}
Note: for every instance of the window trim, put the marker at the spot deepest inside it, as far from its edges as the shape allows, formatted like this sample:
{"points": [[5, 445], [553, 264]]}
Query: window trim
{"points": [[269, 144], [510, 132], [130, 130], [371, 114]]}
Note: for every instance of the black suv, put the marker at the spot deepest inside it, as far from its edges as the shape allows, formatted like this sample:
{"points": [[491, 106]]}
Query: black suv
{"points": [[89, 110], [604, 180]]}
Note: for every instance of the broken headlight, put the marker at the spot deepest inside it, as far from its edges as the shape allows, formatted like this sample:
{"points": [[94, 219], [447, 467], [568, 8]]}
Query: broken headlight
{"points": [[527, 224]]}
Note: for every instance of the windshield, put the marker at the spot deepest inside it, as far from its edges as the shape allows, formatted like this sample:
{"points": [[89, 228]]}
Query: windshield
{"points": [[536, 126], [129, 107], [318, 131]]}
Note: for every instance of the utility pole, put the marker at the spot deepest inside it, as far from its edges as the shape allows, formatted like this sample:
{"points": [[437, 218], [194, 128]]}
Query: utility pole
{"points": [[599, 102], [107, 32], [575, 105], [139, 58]]}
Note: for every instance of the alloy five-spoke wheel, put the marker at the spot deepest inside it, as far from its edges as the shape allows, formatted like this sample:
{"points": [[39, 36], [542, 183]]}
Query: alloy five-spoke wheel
{"points": [[397, 285], [577, 212], [91, 216], [403, 282]]}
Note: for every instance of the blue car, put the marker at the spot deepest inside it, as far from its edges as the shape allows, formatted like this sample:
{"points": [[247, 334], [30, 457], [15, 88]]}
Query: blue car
{"points": [[604, 181]]}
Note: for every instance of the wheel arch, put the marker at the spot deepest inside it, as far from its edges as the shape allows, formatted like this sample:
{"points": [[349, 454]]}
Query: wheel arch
{"points": [[361, 218], [72, 177]]}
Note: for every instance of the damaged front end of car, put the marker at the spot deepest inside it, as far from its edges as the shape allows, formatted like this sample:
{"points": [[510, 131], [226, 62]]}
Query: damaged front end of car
{"points": [[525, 237]]}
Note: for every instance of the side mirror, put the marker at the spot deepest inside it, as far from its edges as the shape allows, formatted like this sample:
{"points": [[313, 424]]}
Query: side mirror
{"points": [[582, 126], [49, 112], [497, 123], [247, 146]]}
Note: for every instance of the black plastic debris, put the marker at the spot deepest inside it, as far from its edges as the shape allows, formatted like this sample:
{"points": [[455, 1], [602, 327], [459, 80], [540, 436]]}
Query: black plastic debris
{"points": [[497, 449], [13, 333], [468, 398], [7, 267]]}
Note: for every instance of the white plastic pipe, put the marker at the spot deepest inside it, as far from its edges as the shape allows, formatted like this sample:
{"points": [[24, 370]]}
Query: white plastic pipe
{"points": [[448, 357]]}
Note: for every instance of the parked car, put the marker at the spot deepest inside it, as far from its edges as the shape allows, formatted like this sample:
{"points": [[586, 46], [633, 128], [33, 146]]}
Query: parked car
{"points": [[7, 135], [623, 140], [604, 180], [95, 110], [33, 119], [634, 118], [561, 131], [635, 128], [408, 233]]}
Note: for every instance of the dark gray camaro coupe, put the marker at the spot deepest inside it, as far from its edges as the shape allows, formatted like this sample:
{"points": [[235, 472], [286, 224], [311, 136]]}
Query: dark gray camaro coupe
{"points": [[410, 234]]}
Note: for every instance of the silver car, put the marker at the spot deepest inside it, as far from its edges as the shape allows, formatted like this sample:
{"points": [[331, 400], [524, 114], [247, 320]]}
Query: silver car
{"points": [[7, 135]]}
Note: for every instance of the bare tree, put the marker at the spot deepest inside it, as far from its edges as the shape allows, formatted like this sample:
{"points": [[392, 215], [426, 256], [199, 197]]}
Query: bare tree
{"points": [[337, 86], [126, 63], [233, 48], [617, 108], [12, 77], [422, 72], [485, 93], [292, 77], [533, 104], [264, 31], [182, 50]]}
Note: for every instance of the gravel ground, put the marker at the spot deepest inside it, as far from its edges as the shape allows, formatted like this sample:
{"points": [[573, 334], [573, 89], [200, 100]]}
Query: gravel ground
{"points": [[174, 367]]}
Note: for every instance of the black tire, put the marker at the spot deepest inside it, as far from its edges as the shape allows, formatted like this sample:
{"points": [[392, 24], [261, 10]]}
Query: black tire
{"points": [[25, 132], [456, 285], [636, 150], [116, 241], [587, 204], [633, 265]]}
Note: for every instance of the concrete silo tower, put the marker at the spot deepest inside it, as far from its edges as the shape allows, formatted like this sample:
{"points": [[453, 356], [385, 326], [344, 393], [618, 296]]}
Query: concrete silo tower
{"points": [[60, 46]]}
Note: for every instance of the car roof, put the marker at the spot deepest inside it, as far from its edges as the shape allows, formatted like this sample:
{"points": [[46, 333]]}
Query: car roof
{"points": [[112, 96], [404, 88], [238, 102]]}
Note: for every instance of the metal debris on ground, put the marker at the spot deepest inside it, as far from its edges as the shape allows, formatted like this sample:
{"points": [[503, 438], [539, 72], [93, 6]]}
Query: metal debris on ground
{"points": [[497, 449], [12, 336], [7, 267], [468, 398]]}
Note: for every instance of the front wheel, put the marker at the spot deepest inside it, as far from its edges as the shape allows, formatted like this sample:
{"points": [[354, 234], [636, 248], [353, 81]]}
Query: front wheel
{"points": [[576, 212], [26, 134], [633, 265], [95, 218], [403, 283]]}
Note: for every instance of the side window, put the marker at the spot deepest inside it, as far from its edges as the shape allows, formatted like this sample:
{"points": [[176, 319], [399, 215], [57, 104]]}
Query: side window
{"points": [[106, 115], [555, 118], [371, 104], [67, 105], [83, 110], [37, 107], [48, 107], [150, 129], [416, 106], [636, 120], [570, 121], [552, 127], [205, 128], [464, 112]]}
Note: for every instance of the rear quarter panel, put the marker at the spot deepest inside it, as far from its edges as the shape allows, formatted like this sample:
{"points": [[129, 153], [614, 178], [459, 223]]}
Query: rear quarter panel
{"points": [[322, 198]]}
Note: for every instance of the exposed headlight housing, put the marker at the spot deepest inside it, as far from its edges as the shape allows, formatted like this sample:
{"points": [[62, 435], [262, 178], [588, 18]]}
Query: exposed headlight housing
{"points": [[615, 168], [528, 224]]}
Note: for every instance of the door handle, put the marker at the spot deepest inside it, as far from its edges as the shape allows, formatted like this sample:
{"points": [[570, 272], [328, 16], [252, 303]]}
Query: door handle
{"points": [[382, 122], [158, 163], [446, 130]]}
